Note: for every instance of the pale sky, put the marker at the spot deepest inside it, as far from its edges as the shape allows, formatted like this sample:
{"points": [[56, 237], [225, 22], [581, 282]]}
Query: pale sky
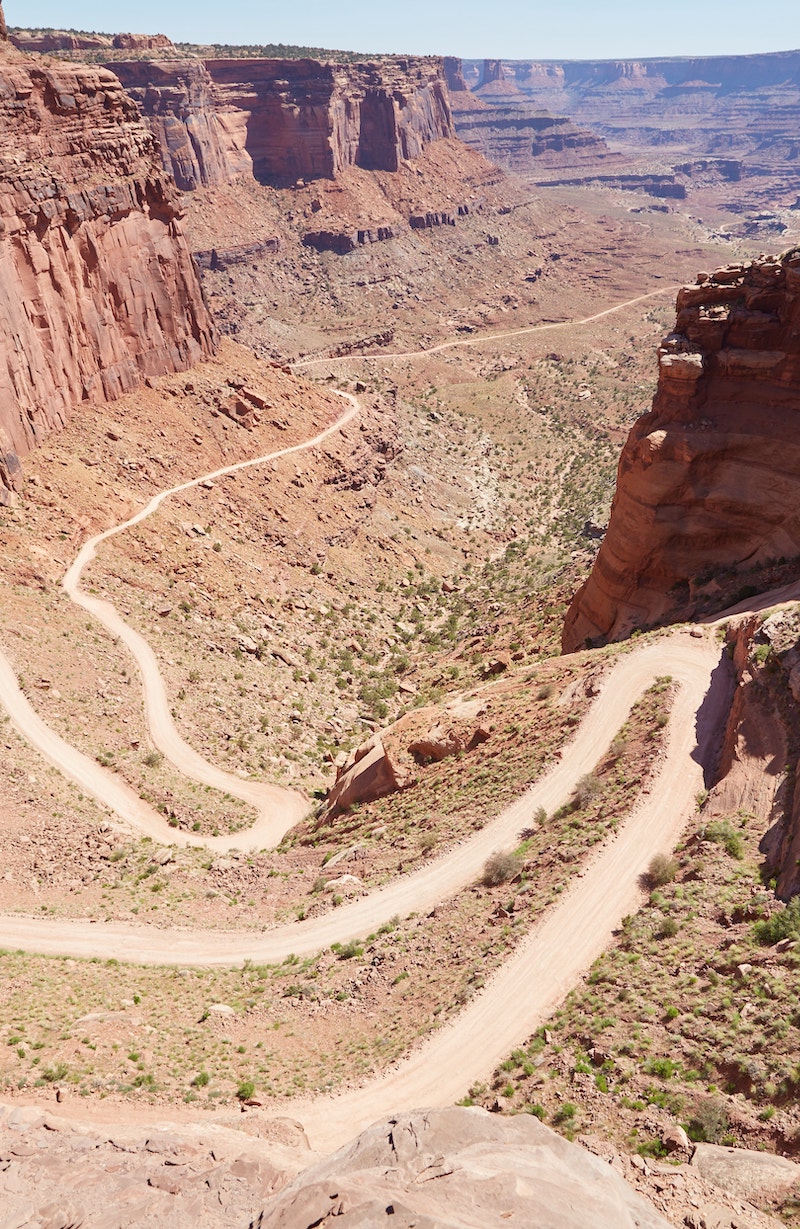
{"points": [[511, 29]]}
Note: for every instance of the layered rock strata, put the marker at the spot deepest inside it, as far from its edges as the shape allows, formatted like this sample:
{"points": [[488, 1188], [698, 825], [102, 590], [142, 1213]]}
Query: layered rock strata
{"points": [[710, 478], [501, 123], [740, 105], [285, 120], [59, 40], [97, 285]]}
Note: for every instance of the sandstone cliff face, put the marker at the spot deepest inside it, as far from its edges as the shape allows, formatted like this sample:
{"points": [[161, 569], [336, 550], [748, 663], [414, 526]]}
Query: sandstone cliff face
{"points": [[142, 42], [710, 478], [524, 139], [97, 285], [285, 120]]}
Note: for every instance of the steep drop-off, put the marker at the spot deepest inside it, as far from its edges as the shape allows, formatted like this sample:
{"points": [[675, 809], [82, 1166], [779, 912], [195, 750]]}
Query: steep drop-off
{"points": [[709, 479], [97, 286], [286, 120]]}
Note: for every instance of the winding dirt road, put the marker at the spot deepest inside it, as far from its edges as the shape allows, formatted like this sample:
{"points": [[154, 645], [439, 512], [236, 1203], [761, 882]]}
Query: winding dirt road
{"points": [[483, 338], [277, 809], [547, 963], [690, 662]]}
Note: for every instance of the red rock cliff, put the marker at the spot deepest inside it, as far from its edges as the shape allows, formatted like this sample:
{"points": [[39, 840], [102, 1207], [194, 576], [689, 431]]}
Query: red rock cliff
{"points": [[97, 285], [710, 478], [288, 119]]}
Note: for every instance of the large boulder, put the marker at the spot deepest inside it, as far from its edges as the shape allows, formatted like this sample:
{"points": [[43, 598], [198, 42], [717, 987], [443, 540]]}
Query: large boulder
{"points": [[390, 760], [460, 1168], [749, 1175]]}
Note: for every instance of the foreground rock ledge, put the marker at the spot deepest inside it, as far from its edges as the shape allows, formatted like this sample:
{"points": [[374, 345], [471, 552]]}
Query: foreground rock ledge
{"points": [[457, 1168]]}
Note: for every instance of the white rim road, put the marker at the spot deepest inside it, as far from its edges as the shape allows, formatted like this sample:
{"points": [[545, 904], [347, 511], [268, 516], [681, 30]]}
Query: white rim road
{"points": [[689, 661], [277, 809], [483, 338]]}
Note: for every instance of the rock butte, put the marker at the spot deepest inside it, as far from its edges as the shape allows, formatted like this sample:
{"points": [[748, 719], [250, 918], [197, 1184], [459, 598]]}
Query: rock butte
{"points": [[710, 478]]}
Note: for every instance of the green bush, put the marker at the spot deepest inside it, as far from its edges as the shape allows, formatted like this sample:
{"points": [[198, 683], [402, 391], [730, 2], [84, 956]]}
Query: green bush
{"points": [[722, 832], [499, 867], [245, 1090], [783, 925], [662, 869]]}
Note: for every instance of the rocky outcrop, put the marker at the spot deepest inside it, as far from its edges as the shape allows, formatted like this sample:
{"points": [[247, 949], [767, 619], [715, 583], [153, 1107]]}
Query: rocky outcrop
{"points": [[97, 286], [390, 761], [287, 120], [344, 241], [457, 1167], [664, 185], [710, 478], [763, 733], [58, 40], [220, 258], [454, 75], [142, 42]]}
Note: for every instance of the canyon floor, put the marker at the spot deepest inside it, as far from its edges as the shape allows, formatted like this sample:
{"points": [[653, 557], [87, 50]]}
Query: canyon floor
{"points": [[420, 554]]}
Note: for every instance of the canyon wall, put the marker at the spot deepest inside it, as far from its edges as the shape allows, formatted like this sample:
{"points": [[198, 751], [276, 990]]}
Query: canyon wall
{"points": [[746, 105], [97, 286], [285, 120], [709, 480], [502, 124]]}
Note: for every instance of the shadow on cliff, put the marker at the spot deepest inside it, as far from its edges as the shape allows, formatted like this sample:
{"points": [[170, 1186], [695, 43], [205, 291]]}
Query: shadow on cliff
{"points": [[712, 717]]}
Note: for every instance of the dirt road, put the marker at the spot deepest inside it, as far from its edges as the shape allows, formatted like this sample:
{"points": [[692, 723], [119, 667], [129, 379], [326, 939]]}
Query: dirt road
{"points": [[277, 809], [546, 965], [564, 942], [480, 339], [690, 661]]}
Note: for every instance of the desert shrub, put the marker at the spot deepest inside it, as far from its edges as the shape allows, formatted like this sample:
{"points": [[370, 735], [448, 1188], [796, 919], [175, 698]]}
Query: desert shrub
{"points": [[565, 1114], [668, 928], [664, 1068], [245, 1090], [347, 951], [499, 867], [662, 869], [709, 1121], [585, 792], [723, 833], [783, 925]]}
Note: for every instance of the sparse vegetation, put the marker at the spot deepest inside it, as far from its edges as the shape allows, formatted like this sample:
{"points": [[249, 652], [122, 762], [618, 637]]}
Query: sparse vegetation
{"points": [[500, 866], [662, 869]]}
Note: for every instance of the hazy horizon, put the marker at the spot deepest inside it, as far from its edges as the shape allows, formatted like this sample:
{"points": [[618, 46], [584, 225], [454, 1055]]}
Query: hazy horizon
{"points": [[572, 30]]}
